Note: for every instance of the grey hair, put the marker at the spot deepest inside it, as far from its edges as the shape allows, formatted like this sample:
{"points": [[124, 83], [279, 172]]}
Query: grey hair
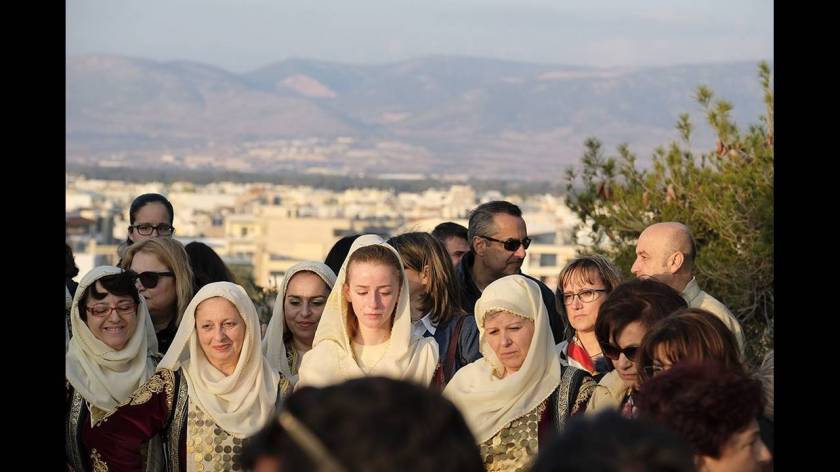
{"points": [[481, 218]]}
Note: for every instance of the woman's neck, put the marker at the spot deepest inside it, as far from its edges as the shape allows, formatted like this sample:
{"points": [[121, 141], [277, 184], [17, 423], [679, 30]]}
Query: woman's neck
{"points": [[369, 337], [301, 345], [589, 342], [161, 320]]}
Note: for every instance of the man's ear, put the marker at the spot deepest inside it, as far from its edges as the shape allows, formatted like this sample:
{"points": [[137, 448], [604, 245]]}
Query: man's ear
{"points": [[675, 262], [479, 245]]}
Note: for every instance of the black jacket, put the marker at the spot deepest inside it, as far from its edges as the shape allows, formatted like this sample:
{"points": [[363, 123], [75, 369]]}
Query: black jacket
{"points": [[470, 294]]}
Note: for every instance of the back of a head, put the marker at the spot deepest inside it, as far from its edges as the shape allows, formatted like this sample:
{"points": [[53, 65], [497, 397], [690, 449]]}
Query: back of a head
{"points": [[643, 300], [206, 265], [481, 218], [70, 268], [377, 424], [335, 258], [704, 403], [609, 442], [690, 334], [449, 229]]}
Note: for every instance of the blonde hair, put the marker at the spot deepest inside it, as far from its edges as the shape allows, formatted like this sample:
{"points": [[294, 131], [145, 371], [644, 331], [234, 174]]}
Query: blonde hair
{"points": [[172, 254]]}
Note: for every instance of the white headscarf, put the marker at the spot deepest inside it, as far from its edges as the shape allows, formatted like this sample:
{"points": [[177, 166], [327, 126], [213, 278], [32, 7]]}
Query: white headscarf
{"points": [[273, 345], [490, 403], [242, 402], [331, 359], [105, 377]]}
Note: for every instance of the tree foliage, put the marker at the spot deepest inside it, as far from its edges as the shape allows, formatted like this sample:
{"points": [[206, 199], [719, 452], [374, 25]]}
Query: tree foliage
{"points": [[724, 195]]}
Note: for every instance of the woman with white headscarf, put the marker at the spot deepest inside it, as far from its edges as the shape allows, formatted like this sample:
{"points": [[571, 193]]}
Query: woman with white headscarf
{"points": [[113, 352], [365, 329], [212, 389], [519, 394], [297, 311]]}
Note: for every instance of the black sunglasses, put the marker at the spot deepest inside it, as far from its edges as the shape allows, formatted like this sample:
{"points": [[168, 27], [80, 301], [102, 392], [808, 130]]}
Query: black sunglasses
{"points": [[511, 244], [614, 353], [150, 279]]}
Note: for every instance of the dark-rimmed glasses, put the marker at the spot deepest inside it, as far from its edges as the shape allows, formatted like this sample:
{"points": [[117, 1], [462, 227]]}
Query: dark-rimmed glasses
{"points": [[146, 229], [587, 295], [511, 244], [614, 352]]}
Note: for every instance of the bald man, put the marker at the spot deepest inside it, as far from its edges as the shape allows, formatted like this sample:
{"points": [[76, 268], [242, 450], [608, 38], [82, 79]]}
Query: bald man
{"points": [[665, 252]]}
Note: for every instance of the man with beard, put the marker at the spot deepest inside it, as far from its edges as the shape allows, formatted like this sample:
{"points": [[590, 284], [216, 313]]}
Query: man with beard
{"points": [[498, 241]]}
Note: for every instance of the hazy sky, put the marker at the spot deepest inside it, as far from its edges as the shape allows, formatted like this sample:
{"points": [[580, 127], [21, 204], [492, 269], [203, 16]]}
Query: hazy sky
{"points": [[242, 35]]}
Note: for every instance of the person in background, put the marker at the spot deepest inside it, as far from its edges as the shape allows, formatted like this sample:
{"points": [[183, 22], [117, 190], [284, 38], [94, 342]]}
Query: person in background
{"points": [[454, 239], [206, 265]]}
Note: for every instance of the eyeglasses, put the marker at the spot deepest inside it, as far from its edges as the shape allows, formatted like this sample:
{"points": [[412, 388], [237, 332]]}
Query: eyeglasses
{"points": [[150, 279], [511, 244], [146, 229], [614, 353], [587, 295], [652, 370], [103, 309]]}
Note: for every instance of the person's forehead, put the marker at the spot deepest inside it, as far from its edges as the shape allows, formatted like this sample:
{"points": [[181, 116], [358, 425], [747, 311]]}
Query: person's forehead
{"points": [[152, 212], [502, 222]]}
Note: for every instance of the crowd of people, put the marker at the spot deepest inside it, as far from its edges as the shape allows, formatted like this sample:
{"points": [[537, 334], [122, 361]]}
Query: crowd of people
{"points": [[425, 351]]}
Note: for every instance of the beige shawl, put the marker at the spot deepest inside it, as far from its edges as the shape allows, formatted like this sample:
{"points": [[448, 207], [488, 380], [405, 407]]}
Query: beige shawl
{"points": [[331, 359], [273, 345], [242, 402], [490, 403], [105, 377]]}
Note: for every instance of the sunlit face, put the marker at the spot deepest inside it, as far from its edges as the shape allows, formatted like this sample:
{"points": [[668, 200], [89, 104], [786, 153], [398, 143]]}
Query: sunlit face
{"points": [[495, 257], [221, 332], [306, 296], [630, 336], [153, 213], [373, 290], [652, 257], [743, 452], [456, 248], [163, 298], [582, 315], [116, 327], [510, 338]]}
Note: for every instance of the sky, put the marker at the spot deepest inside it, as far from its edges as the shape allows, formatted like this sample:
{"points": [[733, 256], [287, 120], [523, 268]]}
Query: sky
{"points": [[243, 35]]}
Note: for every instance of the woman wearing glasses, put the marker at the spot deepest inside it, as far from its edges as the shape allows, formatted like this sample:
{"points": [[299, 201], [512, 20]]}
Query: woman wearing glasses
{"points": [[623, 319], [113, 352], [150, 215], [519, 394], [583, 286], [212, 389], [165, 280], [297, 312], [365, 329], [435, 305]]}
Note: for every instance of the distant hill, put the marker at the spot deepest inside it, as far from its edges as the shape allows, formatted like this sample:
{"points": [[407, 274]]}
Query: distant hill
{"points": [[447, 114]]}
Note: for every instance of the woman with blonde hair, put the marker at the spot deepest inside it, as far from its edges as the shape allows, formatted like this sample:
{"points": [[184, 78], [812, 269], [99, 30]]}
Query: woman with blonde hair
{"points": [[435, 305], [297, 312], [583, 285], [519, 394], [213, 389], [113, 352], [165, 281], [365, 329]]}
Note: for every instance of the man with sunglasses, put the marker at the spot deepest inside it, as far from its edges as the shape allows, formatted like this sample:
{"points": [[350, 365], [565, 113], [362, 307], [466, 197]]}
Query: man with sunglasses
{"points": [[498, 240], [666, 252]]}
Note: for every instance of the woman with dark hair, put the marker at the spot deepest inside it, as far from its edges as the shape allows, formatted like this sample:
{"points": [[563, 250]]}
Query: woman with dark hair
{"points": [[714, 409], [206, 265], [582, 287], [113, 352], [519, 394], [338, 253], [386, 425], [149, 216], [365, 329], [624, 318], [165, 280], [300, 302], [435, 306], [690, 334], [212, 389]]}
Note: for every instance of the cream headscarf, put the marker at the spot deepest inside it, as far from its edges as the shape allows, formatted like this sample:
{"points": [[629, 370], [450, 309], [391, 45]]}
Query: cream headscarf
{"points": [[105, 377], [273, 345], [242, 402], [490, 403], [331, 359]]}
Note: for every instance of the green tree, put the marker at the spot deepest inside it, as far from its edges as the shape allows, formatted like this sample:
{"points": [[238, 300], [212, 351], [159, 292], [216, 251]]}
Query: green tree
{"points": [[725, 196], [263, 297]]}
